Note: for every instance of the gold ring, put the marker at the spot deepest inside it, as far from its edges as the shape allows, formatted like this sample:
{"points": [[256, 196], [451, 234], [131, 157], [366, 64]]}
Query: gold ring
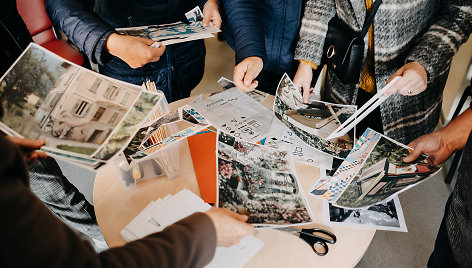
{"points": [[330, 52]]}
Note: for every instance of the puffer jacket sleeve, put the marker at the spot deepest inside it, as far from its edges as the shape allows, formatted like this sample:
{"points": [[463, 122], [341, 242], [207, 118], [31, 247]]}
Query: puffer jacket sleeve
{"points": [[243, 20], [81, 25], [313, 30], [437, 46]]}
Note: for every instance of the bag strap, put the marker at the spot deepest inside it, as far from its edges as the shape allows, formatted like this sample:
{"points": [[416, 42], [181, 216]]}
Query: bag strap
{"points": [[370, 19]]}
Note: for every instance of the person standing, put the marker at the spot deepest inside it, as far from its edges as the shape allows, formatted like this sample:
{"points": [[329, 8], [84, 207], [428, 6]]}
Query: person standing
{"points": [[46, 179], [454, 240], [263, 35], [412, 39], [90, 25]]}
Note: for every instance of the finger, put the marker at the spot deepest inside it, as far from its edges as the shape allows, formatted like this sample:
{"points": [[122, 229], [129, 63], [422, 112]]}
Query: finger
{"points": [[312, 92], [412, 156], [41, 155], [250, 75], [240, 217], [408, 89], [217, 21], [146, 41], [27, 143], [397, 73], [238, 76], [397, 86], [206, 18], [306, 93]]}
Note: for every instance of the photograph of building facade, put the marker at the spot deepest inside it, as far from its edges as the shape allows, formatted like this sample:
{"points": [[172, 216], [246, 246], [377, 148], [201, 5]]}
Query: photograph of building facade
{"points": [[84, 107]]}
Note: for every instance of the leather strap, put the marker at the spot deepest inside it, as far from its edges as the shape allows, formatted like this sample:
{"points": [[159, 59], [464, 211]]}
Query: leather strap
{"points": [[370, 19]]}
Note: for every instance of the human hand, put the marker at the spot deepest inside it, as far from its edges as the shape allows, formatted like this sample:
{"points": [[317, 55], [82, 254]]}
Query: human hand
{"points": [[211, 14], [135, 51], [29, 147], [414, 80], [230, 227], [435, 145], [302, 81], [245, 73]]}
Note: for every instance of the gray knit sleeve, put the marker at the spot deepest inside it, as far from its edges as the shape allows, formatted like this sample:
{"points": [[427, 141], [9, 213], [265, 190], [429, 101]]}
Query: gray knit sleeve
{"points": [[450, 29], [313, 30]]}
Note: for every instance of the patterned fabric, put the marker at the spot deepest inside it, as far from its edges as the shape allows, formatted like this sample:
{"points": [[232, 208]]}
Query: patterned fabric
{"points": [[459, 214], [426, 31], [49, 184]]}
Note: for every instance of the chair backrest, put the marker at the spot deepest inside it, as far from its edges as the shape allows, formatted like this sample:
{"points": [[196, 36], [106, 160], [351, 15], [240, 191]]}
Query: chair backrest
{"points": [[36, 19]]}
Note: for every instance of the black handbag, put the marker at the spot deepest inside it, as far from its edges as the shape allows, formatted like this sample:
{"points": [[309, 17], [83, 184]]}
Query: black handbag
{"points": [[343, 50]]}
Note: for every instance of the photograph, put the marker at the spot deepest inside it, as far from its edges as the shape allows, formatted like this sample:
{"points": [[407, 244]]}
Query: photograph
{"points": [[172, 33], [386, 216], [142, 109], [237, 114], [257, 95], [168, 135], [71, 108], [314, 121], [195, 14], [333, 183], [259, 182], [384, 174]]}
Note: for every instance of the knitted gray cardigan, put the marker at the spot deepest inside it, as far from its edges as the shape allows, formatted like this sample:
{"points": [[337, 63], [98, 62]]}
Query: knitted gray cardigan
{"points": [[426, 31]]}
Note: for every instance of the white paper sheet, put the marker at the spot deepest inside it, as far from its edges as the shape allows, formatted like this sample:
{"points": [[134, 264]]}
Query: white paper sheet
{"points": [[159, 214]]}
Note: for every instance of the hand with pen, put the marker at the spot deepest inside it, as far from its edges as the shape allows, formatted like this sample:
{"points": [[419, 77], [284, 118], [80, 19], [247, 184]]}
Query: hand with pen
{"points": [[29, 148], [135, 51]]}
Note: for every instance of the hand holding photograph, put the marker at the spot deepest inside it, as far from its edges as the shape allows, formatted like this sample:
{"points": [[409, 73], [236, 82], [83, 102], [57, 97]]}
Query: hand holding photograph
{"points": [[360, 183], [81, 115], [173, 33], [315, 121]]}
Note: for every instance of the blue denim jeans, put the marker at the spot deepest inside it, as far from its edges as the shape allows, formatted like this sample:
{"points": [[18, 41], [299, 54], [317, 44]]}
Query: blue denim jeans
{"points": [[178, 71]]}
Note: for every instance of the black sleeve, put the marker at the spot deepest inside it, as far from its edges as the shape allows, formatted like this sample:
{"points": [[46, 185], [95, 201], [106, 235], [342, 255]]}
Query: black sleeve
{"points": [[81, 25], [31, 236]]}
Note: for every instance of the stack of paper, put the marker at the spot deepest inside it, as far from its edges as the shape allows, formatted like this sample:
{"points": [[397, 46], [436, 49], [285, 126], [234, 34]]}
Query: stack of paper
{"points": [[161, 213]]}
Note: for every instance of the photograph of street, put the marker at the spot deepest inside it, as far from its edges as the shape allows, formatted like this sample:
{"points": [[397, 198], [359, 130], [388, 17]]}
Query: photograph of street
{"points": [[384, 174]]}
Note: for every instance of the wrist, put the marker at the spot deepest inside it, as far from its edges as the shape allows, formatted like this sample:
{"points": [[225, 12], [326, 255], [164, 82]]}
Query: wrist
{"points": [[112, 43], [306, 64], [457, 131]]}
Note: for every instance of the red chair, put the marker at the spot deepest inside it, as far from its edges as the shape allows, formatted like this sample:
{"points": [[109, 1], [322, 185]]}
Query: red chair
{"points": [[41, 29]]}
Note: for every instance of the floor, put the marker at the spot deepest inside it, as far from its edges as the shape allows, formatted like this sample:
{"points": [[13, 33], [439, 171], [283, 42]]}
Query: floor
{"points": [[423, 206]]}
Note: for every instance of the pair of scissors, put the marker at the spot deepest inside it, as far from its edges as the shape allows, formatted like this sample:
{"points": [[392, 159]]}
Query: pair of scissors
{"points": [[317, 238]]}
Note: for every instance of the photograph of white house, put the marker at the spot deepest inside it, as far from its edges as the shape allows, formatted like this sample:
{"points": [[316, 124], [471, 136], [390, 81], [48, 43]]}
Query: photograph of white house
{"points": [[71, 108]]}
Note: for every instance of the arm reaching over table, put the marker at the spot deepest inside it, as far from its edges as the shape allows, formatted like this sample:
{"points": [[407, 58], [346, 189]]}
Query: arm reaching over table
{"points": [[441, 144]]}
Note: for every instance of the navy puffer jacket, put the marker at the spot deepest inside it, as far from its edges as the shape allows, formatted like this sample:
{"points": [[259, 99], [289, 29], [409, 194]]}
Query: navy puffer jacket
{"points": [[264, 28], [88, 23]]}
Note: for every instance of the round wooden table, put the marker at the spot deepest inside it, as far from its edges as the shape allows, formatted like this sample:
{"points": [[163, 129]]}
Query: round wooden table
{"points": [[116, 206]]}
